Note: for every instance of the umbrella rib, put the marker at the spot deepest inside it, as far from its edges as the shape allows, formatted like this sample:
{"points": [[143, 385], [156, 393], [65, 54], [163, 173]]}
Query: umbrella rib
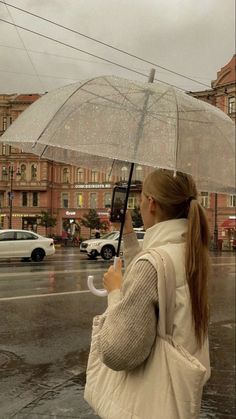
{"points": [[58, 110]]}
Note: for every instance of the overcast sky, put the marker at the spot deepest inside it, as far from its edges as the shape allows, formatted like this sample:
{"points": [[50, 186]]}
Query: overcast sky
{"points": [[194, 38]]}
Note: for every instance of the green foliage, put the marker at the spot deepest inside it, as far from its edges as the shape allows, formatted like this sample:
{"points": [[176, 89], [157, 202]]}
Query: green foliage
{"points": [[92, 221], [47, 220], [137, 219]]}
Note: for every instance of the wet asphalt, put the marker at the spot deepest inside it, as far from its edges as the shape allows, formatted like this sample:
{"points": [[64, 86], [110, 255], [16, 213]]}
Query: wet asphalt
{"points": [[46, 314]]}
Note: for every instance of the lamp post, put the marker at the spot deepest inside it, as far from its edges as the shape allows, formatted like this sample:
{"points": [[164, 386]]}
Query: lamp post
{"points": [[216, 224]]}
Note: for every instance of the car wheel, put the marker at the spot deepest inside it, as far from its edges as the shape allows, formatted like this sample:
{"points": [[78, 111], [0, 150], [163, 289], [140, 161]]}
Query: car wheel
{"points": [[107, 252], [38, 255], [93, 254]]}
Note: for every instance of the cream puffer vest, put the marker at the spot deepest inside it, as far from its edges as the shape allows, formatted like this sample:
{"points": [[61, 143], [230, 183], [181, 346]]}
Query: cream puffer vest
{"points": [[170, 236]]}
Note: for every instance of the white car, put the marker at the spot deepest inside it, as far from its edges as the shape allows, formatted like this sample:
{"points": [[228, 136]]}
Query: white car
{"points": [[106, 246], [25, 244]]}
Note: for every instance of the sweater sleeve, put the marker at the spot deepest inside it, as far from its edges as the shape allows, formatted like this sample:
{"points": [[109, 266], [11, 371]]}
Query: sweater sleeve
{"points": [[128, 327], [131, 247]]}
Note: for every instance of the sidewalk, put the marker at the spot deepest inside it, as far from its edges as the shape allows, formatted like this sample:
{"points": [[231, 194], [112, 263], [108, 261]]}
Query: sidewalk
{"points": [[66, 400]]}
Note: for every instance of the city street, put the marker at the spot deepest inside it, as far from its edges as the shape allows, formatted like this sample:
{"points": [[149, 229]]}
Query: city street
{"points": [[46, 314]]}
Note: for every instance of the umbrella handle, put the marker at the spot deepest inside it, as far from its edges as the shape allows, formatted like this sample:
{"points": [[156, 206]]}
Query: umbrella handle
{"points": [[95, 291]]}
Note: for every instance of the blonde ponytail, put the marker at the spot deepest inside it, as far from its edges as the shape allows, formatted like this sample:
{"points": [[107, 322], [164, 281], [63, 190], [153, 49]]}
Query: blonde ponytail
{"points": [[197, 267]]}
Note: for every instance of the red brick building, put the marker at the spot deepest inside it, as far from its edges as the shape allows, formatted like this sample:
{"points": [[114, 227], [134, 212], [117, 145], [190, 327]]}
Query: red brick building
{"points": [[67, 192], [222, 94]]}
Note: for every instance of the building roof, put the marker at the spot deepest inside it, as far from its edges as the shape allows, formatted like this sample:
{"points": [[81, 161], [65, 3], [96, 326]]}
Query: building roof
{"points": [[227, 74]]}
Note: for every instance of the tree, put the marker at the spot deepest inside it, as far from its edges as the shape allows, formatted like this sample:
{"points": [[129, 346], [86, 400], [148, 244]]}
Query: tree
{"points": [[91, 220], [47, 220], [136, 216]]}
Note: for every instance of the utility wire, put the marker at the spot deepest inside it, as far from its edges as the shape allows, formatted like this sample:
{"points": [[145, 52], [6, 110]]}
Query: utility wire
{"points": [[106, 44], [25, 48], [85, 52]]}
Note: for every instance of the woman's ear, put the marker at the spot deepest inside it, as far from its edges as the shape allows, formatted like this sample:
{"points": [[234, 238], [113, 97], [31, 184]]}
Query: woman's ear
{"points": [[152, 205]]}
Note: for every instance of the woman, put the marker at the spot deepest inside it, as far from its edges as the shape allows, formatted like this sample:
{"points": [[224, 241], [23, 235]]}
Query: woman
{"points": [[175, 221]]}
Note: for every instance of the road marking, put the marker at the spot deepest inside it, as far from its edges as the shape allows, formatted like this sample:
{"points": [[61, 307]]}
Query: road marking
{"points": [[23, 297], [71, 271], [52, 272]]}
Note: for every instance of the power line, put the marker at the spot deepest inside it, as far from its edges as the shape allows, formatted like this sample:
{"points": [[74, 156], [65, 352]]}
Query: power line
{"points": [[106, 44], [28, 55], [41, 75], [85, 52]]}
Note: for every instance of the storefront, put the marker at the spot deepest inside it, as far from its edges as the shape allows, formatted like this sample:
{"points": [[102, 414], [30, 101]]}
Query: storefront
{"points": [[229, 233]]}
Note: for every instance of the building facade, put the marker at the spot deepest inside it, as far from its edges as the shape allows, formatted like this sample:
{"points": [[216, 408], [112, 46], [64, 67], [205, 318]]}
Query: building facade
{"points": [[29, 185], [221, 209]]}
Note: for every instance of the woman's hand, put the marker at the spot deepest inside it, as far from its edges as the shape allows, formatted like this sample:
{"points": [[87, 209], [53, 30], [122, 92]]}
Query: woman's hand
{"points": [[112, 279], [128, 226]]}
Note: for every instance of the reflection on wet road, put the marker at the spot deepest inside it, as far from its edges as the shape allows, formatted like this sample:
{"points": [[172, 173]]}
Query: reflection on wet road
{"points": [[46, 314]]}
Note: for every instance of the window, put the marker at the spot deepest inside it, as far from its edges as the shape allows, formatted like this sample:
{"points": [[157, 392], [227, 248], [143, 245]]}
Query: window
{"points": [[93, 200], [33, 172], [204, 199], [108, 175], [35, 199], [131, 202], [3, 149], [107, 200], [65, 200], [232, 200], [10, 235], [1, 199], [94, 176], [80, 175], [124, 173], [139, 173], [65, 175], [24, 199], [79, 200], [24, 235], [4, 173], [23, 172], [231, 104], [4, 123]]}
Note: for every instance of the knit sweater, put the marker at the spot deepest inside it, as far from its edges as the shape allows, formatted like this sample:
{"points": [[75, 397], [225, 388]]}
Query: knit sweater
{"points": [[128, 327]]}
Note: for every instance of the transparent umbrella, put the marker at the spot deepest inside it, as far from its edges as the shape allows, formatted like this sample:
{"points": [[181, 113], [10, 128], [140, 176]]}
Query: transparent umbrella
{"points": [[109, 119]]}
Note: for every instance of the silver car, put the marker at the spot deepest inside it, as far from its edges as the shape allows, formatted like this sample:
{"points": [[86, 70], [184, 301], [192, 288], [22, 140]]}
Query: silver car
{"points": [[106, 246]]}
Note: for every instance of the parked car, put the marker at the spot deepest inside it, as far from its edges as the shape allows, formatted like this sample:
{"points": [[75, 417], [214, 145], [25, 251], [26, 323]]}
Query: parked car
{"points": [[25, 244], [106, 246]]}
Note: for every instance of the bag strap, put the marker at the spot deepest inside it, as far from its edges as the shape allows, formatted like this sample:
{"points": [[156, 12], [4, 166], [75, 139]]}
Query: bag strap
{"points": [[166, 292]]}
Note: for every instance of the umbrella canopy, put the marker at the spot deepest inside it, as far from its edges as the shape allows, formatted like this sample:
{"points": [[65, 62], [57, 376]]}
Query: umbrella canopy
{"points": [[110, 118]]}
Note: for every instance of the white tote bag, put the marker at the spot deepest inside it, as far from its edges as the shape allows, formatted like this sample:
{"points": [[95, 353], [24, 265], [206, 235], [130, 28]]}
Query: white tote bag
{"points": [[168, 385]]}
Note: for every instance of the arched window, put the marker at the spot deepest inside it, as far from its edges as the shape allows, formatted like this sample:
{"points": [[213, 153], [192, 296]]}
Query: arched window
{"points": [[139, 173], [33, 172], [124, 173], [23, 172], [65, 175], [80, 175]]}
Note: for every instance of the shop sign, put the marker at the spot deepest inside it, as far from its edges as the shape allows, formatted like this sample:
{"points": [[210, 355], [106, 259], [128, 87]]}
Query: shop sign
{"points": [[24, 215], [70, 213], [94, 186]]}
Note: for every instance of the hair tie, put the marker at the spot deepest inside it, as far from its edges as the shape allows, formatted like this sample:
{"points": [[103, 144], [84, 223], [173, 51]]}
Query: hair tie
{"points": [[189, 199]]}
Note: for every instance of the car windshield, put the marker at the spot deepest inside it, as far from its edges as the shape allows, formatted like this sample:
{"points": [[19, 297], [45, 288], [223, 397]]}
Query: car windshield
{"points": [[111, 236]]}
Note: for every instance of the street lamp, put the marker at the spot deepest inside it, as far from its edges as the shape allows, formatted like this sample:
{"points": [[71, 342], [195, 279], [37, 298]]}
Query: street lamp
{"points": [[10, 192], [215, 240]]}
